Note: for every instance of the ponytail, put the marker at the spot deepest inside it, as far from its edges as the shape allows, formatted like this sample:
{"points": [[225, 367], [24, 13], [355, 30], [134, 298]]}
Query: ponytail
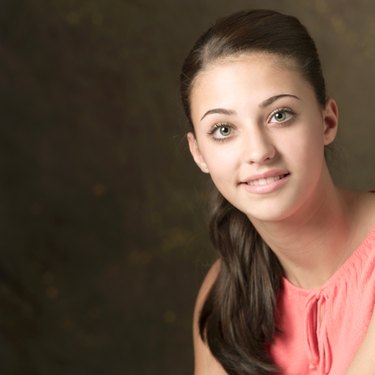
{"points": [[238, 317]]}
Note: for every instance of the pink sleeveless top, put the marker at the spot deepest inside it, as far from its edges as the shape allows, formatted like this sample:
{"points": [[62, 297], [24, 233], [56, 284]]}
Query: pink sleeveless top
{"points": [[322, 329]]}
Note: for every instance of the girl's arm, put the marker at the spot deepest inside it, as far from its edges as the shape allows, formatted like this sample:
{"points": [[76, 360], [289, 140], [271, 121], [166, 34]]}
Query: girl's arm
{"points": [[364, 361], [205, 362]]}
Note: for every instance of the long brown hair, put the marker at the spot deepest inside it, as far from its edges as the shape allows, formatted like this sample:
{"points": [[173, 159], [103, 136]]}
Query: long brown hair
{"points": [[238, 318]]}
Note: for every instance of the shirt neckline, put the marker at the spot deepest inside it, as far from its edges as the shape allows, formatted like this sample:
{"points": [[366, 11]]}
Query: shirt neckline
{"points": [[338, 273]]}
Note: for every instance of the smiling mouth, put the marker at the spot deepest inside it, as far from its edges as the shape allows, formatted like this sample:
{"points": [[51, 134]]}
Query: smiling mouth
{"points": [[266, 181]]}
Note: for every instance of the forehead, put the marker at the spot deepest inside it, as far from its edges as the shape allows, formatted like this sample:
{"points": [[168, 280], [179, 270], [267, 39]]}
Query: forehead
{"points": [[248, 64], [252, 77]]}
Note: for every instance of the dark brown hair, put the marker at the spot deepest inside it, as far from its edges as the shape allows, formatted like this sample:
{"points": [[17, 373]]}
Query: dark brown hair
{"points": [[239, 318]]}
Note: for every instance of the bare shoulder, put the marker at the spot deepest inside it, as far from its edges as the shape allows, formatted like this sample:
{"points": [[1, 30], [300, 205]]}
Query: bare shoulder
{"points": [[206, 286], [361, 206], [368, 207], [370, 198], [205, 362], [364, 361]]}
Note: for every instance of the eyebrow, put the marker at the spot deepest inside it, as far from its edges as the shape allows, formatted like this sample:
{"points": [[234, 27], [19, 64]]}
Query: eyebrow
{"points": [[272, 99], [263, 104], [218, 110]]}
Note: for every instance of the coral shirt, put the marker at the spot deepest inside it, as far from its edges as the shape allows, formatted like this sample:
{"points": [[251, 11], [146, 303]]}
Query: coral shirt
{"points": [[322, 329]]}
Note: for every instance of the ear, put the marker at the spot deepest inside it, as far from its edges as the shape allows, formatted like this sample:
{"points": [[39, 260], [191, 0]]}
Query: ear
{"points": [[330, 119], [195, 152]]}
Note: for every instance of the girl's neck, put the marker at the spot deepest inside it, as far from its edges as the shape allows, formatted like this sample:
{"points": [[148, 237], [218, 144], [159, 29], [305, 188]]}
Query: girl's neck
{"points": [[311, 247]]}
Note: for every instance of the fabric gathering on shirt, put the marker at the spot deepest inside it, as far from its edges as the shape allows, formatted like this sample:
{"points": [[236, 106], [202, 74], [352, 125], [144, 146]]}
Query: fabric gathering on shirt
{"points": [[326, 326]]}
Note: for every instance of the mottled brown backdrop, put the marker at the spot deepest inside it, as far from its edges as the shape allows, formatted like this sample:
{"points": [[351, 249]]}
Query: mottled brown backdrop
{"points": [[103, 239]]}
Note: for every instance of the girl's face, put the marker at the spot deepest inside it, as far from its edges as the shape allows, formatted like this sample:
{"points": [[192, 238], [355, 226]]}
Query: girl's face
{"points": [[260, 133]]}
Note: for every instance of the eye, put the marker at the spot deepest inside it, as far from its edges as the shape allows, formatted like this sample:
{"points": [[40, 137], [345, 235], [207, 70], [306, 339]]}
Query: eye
{"points": [[221, 131], [281, 115]]}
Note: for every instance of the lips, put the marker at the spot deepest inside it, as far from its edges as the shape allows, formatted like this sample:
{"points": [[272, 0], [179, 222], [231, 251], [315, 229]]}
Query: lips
{"points": [[266, 180]]}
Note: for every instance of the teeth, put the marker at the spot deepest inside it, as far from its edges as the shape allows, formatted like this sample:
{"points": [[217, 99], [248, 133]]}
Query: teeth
{"points": [[265, 181]]}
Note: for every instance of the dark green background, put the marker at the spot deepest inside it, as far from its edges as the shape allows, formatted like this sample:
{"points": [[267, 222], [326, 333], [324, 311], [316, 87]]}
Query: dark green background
{"points": [[102, 212]]}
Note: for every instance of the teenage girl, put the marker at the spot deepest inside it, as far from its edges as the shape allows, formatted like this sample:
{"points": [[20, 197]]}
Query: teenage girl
{"points": [[293, 289]]}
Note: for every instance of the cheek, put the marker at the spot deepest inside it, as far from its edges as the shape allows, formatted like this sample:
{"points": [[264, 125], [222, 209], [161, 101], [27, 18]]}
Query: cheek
{"points": [[303, 150], [222, 161], [310, 155], [310, 140]]}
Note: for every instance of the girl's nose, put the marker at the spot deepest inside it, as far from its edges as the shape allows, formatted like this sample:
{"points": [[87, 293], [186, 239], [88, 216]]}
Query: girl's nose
{"points": [[259, 148]]}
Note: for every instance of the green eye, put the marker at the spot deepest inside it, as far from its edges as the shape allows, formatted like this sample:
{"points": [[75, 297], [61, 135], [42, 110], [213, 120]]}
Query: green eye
{"points": [[282, 115], [224, 130], [221, 131]]}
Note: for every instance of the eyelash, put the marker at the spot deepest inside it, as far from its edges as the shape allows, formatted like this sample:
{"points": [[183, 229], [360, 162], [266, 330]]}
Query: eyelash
{"points": [[219, 125], [284, 110], [216, 127]]}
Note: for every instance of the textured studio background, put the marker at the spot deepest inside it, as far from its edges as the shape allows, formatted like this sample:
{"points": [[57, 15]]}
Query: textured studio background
{"points": [[103, 240]]}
